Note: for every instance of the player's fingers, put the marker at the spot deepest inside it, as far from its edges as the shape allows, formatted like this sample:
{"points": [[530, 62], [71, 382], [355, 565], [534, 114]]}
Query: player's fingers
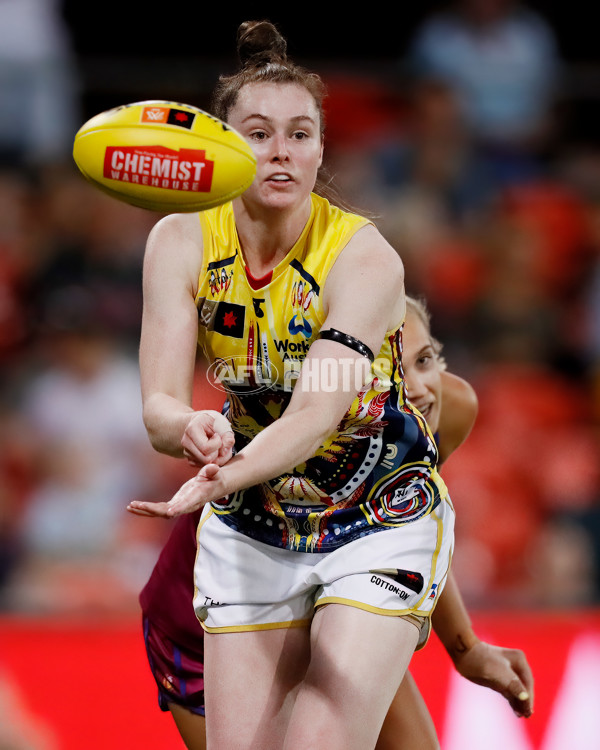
{"points": [[138, 511], [519, 697], [142, 508], [521, 666], [201, 449], [192, 460], [225, 452], [228, 438], [205, 444]]}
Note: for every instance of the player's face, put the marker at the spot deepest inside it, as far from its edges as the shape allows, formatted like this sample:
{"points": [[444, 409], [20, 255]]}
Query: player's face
{"points": [[282, 124], [422, 370]]}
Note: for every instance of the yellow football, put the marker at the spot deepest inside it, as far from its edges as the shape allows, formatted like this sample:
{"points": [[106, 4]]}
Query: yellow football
{"points": [[164, 156]]}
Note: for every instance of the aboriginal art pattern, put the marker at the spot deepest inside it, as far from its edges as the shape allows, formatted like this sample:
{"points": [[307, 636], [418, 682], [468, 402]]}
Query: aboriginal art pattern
{"points": [[378, 469]]}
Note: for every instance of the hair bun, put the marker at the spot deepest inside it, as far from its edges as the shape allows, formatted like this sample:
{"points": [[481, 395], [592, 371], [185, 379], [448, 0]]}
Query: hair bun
{"points": [[259, 43]]}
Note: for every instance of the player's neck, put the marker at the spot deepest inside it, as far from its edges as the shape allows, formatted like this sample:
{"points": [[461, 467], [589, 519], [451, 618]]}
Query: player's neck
{"points": [[266, 237]]}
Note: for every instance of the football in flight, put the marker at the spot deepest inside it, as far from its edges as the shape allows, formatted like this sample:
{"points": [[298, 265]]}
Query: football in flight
{"points": [[164, 156]]}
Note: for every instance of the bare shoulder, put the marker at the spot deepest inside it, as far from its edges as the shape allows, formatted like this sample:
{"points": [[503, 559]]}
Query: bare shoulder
{"points": [[369, 258], [174, 247], [369, 246], [366, 284], [175, 228], [459, 412], [459, 393]]}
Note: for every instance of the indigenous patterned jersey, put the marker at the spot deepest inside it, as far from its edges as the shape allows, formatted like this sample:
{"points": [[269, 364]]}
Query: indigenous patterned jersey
{"points": [[378, 469]]}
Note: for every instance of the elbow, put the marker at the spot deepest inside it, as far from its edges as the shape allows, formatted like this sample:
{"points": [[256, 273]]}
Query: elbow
{"points": [[158, 435], [155, 441], [154, 434]]}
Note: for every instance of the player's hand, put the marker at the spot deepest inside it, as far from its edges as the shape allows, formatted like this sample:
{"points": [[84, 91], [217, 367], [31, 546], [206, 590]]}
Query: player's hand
{"points": [[502, 669], [208, 439], [205, 487]]}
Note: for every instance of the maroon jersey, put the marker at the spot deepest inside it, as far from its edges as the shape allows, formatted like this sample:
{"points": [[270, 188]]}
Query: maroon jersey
{"points": [[166, 599]]}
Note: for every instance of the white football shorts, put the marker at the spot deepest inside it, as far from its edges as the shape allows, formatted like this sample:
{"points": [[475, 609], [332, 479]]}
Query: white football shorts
{"points": [[242, 584]]}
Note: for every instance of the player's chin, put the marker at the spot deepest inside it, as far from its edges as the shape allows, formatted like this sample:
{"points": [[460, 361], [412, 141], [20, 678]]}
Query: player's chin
{"points": [[432, 417], [282, 193]]}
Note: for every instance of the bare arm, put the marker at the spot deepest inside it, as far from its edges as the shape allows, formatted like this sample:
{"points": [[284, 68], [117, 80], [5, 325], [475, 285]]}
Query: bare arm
{"points": [[168, 346], [502, 669], [355, 294]]}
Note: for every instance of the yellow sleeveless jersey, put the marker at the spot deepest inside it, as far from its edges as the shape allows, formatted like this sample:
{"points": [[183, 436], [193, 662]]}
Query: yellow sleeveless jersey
{"points": [[379, 467]]}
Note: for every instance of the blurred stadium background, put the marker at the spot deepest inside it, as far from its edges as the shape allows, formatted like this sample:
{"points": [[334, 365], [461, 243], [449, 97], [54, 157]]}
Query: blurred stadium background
{"points": [[485, 177]]}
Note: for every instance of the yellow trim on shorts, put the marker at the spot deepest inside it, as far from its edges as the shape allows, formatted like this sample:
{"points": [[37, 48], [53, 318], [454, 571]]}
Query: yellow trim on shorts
{"points": [[434, 558], [408, 614], [200, 525], [368, 607], [204, 520], [263, 626]]}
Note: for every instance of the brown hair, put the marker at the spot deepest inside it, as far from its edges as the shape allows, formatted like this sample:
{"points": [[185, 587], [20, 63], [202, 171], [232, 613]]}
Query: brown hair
{"points": [[262, 54]]}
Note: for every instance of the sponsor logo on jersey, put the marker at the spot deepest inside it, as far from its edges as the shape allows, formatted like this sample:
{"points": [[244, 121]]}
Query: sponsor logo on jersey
{"points": [[298, 325], [225, 318], [183, 170], [291, 349]]}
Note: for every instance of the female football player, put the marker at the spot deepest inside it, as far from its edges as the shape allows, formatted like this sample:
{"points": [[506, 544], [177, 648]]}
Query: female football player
{"points": [[174, 638], [325, 541]]}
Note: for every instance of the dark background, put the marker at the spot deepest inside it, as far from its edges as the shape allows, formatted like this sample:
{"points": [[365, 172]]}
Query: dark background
{"points": [[208, 30], [130, 51]]}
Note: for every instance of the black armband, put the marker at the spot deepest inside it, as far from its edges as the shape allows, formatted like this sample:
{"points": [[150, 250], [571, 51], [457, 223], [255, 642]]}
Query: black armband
{"points": [[343, 338]]}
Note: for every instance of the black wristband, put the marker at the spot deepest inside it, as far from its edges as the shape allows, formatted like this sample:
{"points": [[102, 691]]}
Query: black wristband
{"points": [[343, 338]]}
